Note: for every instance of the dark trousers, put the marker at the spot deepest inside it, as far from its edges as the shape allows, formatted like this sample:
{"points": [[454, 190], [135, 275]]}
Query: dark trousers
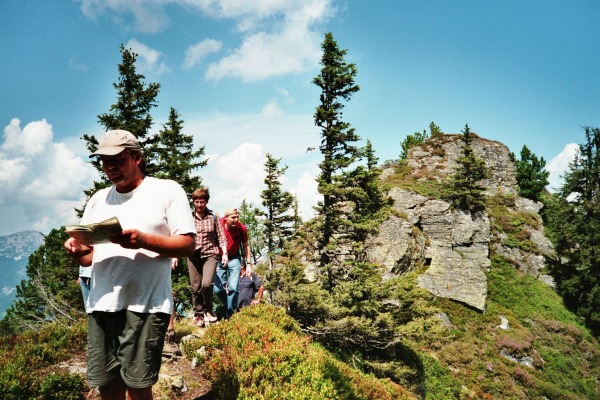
{"points": [[202, 272]]}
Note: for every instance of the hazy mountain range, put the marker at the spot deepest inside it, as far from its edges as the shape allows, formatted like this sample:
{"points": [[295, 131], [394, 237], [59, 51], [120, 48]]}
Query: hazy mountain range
{"points": [[15, 250]]}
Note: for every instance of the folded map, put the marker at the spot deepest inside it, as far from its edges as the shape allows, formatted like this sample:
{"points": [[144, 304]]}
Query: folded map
{"points": [[96, 233]]}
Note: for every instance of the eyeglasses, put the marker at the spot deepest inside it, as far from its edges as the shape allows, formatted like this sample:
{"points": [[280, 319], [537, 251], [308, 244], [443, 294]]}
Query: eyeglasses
{"points": [[115, 160]]}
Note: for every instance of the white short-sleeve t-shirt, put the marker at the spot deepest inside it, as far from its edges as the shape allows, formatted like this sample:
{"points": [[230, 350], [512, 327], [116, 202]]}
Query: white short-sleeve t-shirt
{"points": [[136, 279]]}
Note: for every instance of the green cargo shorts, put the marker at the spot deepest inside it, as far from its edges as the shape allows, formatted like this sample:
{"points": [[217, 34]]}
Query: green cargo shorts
{"points": [[125, 343]]}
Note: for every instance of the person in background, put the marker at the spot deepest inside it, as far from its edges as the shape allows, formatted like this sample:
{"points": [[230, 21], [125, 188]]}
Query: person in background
{"points": [[210, 243], [84, 280], [228, 273], [249, 286], [131, 302]]}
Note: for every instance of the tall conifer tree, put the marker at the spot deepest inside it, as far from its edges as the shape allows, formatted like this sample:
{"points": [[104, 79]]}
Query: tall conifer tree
{"points": [[135, 100], [279, 217], [573, 219], [338, 139]]}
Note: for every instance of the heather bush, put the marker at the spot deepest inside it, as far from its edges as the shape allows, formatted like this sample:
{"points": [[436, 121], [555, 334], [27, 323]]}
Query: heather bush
{"points": [[260, 353], [23, 356]]}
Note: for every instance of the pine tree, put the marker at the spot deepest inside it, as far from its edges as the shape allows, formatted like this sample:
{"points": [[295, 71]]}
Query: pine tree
{"points": [[532, 177], [50, 293], [370, 203], [464, 190], [410, 141], [573, 219], [175, 156], [336, 82], [131, 112], [176, 159], [250, 217], [278, 214], [342, 304]]}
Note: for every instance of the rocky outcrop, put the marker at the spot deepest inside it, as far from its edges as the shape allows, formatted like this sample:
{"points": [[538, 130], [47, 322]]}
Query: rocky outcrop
{"points": [[437, 158], [454, 246]]}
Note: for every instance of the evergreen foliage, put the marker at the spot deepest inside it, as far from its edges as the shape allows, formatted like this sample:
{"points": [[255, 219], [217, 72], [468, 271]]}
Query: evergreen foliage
{"points": [[175, 159], [50, 293], [338, 139], [532, 176], [341, 304], [278, 215], [418, 138], [131, 112], [573, 219], [250, 217], [175, 155], [463, 188]]}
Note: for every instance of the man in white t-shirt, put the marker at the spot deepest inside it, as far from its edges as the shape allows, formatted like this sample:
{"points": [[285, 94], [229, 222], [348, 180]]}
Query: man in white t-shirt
{"points": [[130, 301]]}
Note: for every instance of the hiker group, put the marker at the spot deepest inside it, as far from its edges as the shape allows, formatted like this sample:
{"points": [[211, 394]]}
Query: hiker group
{"points": [[127, 280]]}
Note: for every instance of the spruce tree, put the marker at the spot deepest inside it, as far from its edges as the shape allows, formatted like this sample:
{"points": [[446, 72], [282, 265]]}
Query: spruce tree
{"points": [[250, 216], [175, 156], [50, 293], [370, 203], [464, 189], [131, 112], [341, 306], [532, 176], [573, 219], [338, 139], [278, 215], [176, 159]]}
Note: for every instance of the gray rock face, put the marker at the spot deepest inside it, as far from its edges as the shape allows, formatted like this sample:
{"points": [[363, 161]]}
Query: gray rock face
{"points": [[454, 245], [438, 156]]}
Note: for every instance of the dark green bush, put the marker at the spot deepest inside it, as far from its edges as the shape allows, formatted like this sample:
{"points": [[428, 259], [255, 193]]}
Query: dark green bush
{"points": [[62, 386], [261, 353]]}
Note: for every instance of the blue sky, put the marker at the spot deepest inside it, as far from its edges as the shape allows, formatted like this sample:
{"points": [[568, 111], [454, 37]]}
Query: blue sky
{"points": [[240, 72]]}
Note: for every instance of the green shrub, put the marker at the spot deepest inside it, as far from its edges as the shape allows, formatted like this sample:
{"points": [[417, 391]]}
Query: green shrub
{"points": [[21, 358], [62, 386], [260, 353]]}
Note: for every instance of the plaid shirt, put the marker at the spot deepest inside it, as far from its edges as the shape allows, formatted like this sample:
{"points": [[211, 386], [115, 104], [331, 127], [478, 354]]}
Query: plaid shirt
{"points": [[207, 240]]}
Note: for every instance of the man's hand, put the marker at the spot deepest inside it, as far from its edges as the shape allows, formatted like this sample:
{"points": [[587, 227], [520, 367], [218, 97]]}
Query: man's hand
{"points": [[77, 249], [129, 239]]}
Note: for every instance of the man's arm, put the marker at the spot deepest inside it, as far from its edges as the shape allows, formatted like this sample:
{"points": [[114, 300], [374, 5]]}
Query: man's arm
{"points": [[259, 297], [80, 253], [169, 246]]}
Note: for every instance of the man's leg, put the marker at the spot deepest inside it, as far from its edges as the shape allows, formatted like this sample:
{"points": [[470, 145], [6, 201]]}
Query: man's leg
{"points": [[140, 394], [233, 266], [195, 271], [114, 390], [219, 285]]}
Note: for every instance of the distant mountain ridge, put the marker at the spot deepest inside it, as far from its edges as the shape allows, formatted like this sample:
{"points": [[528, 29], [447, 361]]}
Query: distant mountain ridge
{"points": [[21, 244], [15, 250]]}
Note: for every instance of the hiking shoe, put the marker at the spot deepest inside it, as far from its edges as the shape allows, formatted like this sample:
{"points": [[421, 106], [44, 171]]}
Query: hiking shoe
{"points": [[199, 320], [210, 316]]}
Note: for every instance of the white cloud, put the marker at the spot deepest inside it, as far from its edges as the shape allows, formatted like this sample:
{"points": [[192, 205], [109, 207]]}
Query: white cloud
{"points": [[307, 195], [235, 168], [196, 53], [148, 61], [559, 165], [148, 16], [42, 181], [281, 38], [263, 55]]}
